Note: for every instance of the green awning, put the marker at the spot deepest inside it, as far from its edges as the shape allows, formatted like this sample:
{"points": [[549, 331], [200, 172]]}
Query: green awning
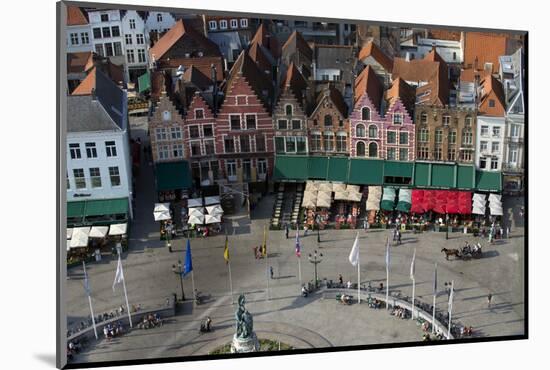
{"points": [[100, 207], [388, 199], [173, 176], [318, 168], [443, 176], [76, 209], [144, 82], [338, 169], [398, 169], [488, 181], [466, 177], [290, 168], [366, 171], [422, 173]]}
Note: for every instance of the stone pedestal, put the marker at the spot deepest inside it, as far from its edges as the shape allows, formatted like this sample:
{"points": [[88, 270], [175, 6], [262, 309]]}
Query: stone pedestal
{"points": [[240, 345]]}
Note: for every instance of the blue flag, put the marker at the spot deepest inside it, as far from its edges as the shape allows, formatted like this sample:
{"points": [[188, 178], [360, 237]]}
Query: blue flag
{"points": [[188, 265]]}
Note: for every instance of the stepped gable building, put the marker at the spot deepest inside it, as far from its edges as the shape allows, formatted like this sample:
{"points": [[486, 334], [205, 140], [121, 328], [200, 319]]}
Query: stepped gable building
{"points": [[290, 114], [184, 46], [398, 134], [298, 52], [328, 125], [244, 128], [366, 118]]}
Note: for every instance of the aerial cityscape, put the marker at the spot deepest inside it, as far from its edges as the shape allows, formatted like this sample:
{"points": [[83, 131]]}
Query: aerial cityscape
{"points": [[239, 184]]}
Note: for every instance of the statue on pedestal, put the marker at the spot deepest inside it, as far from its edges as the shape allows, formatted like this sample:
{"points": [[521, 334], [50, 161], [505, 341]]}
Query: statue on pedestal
{"points": [[245, 339]]}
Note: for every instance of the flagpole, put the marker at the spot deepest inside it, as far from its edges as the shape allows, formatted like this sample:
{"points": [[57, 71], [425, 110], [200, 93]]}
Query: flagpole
{"points": [[359, 281], [266, 266], [194, 292], [387, 275], [299, 258], [414, 282], [125, 292], [435, 294], [450, 308], [412, 307], [230, 282], [89, 299]]}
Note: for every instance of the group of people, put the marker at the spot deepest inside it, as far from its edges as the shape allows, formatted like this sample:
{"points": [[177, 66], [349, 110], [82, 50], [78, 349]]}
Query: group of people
{"points": [[150, 321], [400, 312], [374, 303], [113, 330], [73, 347], [258, 253], [471, 249]]}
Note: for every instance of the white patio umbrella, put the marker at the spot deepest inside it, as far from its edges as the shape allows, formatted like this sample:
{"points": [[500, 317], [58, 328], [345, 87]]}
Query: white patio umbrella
{"points": [[214, 210], [99, 231], [354, 196], [80, 237], [118, 229], [212, 219], [69, 233], [208, 201], [197, 211], [162, 215], [325, 186], [196, 220], [160, 207], [336, 187], [309, 202], [341, 195], [323, 199]]}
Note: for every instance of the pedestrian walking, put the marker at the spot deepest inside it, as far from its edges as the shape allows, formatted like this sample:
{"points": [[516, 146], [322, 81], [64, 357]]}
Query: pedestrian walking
{"points": [[365, 224], [399, 237], [507, 232], [340, 279], [489, 299], [271, 271], [255, 252], [286, 230], [305, 230]]}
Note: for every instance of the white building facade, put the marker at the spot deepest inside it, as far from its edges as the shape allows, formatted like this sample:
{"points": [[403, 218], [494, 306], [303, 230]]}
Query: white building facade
{"points": [[490, 143], [107, 37], [159, 21], [79, 38], [136, 44]]}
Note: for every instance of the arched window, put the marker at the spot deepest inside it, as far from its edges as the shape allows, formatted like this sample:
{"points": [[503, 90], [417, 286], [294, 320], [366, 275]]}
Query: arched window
{"points": [[288, 109], [468, 121], [328, 120], [166, 115], [360, 131], [373, 131], [360, 149], [373, 150], [365, 114]]}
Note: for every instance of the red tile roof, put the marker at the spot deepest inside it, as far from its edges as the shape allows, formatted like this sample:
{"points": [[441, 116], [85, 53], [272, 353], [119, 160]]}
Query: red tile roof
{"points": [[469, 74], [401, 90], [442, 34], [114, 72], [486, 47], [197, 77], [492, 90], [264, 38], [85, 87], [194, 41], [75, 16], [296, 41], [80, 62], [371, 49], [244, 66], [367, 82]]}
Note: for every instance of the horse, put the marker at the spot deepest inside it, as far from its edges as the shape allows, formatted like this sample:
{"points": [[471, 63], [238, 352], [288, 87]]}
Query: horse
{"points": [[450, 252]]}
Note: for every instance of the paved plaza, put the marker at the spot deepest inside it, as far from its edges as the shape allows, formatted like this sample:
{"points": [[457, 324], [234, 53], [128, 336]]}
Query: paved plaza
{"points": [[310, 322]]}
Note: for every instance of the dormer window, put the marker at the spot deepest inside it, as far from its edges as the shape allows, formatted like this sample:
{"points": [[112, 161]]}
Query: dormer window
{"points": [[212, 25], [288, 109], [491, 103], [365, 114], [423, 118], [199, 113], [397, 119], [166, 115], [223, 24], [200, 54], [234, 23], [244, 23], [159, 17]]}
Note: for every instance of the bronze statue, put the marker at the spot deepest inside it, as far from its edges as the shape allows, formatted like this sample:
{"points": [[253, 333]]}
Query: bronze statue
{"points": [[244, 320]]}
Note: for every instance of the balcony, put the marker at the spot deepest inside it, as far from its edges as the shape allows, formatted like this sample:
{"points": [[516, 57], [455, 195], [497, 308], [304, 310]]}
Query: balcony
{"points": [[515, 140]]}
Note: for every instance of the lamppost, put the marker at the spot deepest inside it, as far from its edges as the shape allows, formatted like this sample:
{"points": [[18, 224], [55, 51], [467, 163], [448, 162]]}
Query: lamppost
{"points": [[315, 259], [178, 270], [447, 229], [168, 237]]}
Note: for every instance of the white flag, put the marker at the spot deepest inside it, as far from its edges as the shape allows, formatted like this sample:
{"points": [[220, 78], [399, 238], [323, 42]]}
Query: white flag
{"points": [[412, 264], [354, 254], [119, 276]]}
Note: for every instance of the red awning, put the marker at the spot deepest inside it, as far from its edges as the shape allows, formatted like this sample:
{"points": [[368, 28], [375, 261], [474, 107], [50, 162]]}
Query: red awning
{"points": [[428, 202], [464, 202], [452, 202], [440, 204], [417, 201]]}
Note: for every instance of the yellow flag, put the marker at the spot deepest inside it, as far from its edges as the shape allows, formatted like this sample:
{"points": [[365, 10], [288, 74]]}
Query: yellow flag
{"points": [[226, 251]]}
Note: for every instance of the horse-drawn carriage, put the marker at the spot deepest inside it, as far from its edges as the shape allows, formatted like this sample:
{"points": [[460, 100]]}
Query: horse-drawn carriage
{"points": [[465, 253]]}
